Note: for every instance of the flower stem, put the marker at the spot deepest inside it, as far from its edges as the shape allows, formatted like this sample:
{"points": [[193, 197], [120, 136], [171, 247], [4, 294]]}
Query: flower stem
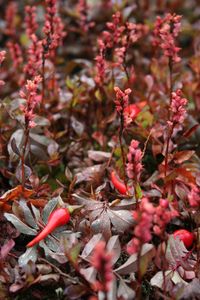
{"points": [[23, 179], [122, 148]]}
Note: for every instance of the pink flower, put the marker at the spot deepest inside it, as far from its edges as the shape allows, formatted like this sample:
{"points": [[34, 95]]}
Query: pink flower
{"points": [[116, 28], [34, 55], [102, 261], [15, 53], [177, 107], [134, 165], [142, 231], [162, 216], [32, 99], [11, 12], [30, 20], [53, 29], [82, 9], [100, 63], [122, 99], [194, 196], [165, 32]]}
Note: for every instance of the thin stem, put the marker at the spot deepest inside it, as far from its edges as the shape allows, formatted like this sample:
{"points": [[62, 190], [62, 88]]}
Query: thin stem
{"points": [[26, 133], [58, 270], [43, 78], [170, 83], [167, 148], [122, 148], [198, 253], [139, 274], [163, 254], [171, 127]]}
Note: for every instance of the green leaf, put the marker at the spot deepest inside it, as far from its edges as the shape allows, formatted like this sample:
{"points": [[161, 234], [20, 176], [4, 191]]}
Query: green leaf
{"points": [[49, 207], [98, 95], [28, 215], [22, 227], [74, 252], [30, 254], [138, 191]]}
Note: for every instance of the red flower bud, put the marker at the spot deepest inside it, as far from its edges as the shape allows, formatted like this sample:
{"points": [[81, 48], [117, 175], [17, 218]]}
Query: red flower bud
{"points": [[118, 184], [58, 217]]}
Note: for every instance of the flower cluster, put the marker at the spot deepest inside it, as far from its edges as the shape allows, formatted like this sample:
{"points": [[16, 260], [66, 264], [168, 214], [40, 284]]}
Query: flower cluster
{"points": [[11, 12], [82, 9], [177, 108], [166, 30], [116, 30], [134, 165], [102, 261], [32, 99], [30, 20], [34, 56], [162, 216], [100, 64], [15, 53], [194, 196], [122, 99], [119, 54], [119, 36], [2, 57], [142, 231], [53, 29], [122, 34], [148, 217]]}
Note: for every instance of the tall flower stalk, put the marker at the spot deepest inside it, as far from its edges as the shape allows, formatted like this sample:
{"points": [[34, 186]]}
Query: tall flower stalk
{"points": [[54, 34], [121, 102], [134, 165], [29, 94], [102, 261], [165, 32], [177, 117]]}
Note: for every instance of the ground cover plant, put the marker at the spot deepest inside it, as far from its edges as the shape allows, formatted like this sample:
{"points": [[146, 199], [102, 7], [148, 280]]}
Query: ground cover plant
{"points": [[99, 147]]}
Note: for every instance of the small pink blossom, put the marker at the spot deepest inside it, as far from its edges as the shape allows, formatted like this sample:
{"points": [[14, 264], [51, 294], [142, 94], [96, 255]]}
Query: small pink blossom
{"points": [[134, 165], [100, 63], [53, 29], [15, 53], [165, 32], [30, 20], [122, 99], [102, 261], [34, 56], [177, 107], [142, 231], [32, 99], [194, 196], [82, 9], [11, 12], [162, 216]]}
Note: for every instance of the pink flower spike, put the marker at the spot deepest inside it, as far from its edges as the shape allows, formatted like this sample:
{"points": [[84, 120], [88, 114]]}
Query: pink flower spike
{"points": [[134, 166], [177, 107], [102, 261], [32, 99]]}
